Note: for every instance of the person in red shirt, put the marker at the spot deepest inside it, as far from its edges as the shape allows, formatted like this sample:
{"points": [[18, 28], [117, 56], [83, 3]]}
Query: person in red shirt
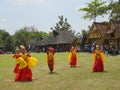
{"points": [[26, 63], [50, 58], [73, 56], [15, 56], [98, 60]]}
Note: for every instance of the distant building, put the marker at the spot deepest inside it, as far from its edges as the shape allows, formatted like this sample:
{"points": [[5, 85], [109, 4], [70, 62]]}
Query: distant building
{"points": [[112, 35], [105, 34], [60, 40], [96, 33]]}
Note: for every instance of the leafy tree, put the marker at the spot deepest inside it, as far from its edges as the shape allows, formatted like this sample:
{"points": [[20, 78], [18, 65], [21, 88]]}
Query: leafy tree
{"points": [[1, 33], [62, 24], [36, 35], [94, 9], [27, 34], [114, 8], [84, 37], [6, 40], [21, 37]]}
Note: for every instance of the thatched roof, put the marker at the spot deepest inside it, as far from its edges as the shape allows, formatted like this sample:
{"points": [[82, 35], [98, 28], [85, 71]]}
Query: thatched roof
{"points": [[97, 30], [113, 26], [110, 31], [116, 25], [59, 37], [101, 27]]}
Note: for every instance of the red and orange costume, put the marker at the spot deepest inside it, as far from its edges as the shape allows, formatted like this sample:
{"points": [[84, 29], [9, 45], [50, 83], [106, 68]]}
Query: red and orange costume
{"points": [[73, 56], [16, 55], [26, 63], [50, 58], [98, 61]]}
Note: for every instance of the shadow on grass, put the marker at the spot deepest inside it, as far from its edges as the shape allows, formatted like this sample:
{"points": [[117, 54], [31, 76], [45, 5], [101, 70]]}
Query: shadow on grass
{"points": [[23, 81], [75, 67], [53, 73], [100, 72]]}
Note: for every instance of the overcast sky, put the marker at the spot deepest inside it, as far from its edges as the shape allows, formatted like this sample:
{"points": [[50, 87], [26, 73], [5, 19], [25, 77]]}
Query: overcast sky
{"points": [[42, 14]]}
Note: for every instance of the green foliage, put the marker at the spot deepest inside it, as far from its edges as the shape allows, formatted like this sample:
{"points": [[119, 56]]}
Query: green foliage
{"points": [[27, 34], [62, 24], [114, 8], [84, 38], [94, 9], [22, 36], [6, 40], [98, 8]]}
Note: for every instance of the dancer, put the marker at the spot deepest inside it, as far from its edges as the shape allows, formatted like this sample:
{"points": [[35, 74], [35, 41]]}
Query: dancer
{"points": [[73, 56], [98, 60], [17, 55], [27, 62], [50, 58]]}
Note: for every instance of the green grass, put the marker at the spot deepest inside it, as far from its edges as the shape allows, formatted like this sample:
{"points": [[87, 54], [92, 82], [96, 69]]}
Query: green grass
{"points": [[64, 77]]}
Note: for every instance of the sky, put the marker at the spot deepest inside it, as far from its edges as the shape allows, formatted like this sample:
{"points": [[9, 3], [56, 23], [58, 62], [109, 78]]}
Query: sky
{"points": [[43, 14]]}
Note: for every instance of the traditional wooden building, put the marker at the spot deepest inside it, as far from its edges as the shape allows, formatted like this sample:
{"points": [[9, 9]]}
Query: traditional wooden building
{"points": [[77, 41], [60, 40], [96, 33], [112, 35]]}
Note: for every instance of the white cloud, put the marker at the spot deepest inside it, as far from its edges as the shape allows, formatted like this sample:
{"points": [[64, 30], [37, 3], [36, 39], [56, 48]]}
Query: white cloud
{"points": [[24, 2]]}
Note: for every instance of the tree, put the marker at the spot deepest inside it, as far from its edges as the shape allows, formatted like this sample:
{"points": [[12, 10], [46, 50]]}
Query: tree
{"points": [[36, 35], [6, 40], [28, 34], [21, 37], [84, 37], [114, 8], [94, 9], [62, 24]]}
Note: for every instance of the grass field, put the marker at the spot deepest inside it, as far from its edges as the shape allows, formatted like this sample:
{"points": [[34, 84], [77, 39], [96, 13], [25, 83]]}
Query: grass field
{"points": [[64, 77]]}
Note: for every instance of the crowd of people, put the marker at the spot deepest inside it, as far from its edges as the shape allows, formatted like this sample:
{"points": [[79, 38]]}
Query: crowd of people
{"points": [[108, 50], [2, 51], [25, 62]]}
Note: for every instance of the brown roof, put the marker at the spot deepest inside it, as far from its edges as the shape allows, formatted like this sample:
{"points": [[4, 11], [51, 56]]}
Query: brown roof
{"points": [[110, 31], [102, 27], [117, 25], [59, 37]]}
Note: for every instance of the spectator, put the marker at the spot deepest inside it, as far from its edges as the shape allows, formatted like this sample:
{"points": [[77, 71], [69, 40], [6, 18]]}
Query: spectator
{"points": [[106, 48]]}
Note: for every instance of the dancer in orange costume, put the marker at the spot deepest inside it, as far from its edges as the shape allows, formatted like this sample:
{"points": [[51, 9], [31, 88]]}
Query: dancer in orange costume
{"points": [[98, 60], [50, 58], [26, 64], [73, 56], [17, 55]]}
